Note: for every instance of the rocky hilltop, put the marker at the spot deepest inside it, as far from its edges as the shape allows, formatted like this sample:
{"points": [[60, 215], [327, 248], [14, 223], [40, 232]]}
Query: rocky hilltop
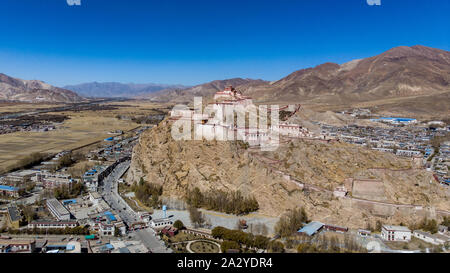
{"points": [[301, 173], [13, 89]]}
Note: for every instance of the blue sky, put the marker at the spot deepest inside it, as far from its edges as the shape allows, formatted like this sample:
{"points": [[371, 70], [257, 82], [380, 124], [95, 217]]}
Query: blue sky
{"points": [[195, 41]]}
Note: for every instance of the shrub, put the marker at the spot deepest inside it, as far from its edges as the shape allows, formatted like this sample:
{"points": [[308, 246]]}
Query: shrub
{"points": [[178, 224], [226, 245]]}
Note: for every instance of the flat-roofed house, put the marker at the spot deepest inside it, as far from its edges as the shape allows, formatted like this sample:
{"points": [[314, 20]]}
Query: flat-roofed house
{"points": [[9, 191], [57, 209], [43, 224], [395, 233], [17, 246], [19, 177], [435, 239], [14, 216], [95, 198], [311, 228], [51, 180], [160, 223]]}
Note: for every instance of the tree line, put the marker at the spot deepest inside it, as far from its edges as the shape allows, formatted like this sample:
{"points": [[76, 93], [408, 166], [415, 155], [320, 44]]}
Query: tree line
{"points": [[147, 193], [429, 225], [291, 222], [27, 162], [218, 200], [326, 244], [236, 239], [72, 191]]}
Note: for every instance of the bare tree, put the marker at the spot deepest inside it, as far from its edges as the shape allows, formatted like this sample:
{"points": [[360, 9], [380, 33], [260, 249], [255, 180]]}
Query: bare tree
{"points": [[196, 216]]}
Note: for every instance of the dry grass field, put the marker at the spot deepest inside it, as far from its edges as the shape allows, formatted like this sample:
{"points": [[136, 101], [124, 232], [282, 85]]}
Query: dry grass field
{"points": [[81, 129]]}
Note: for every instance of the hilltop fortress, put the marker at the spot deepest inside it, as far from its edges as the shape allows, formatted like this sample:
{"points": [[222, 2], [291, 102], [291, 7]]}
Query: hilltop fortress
{"points": [[233, 116]]}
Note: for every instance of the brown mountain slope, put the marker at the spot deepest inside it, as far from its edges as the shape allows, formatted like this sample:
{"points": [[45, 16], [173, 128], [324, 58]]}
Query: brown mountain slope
{"points": [[228, 166], [400, 72], [13, 89]]}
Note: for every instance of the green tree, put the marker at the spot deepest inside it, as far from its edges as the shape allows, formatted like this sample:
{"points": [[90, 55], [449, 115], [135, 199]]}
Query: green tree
{"points": [[226, 245], [178, 224], [218, 232]]}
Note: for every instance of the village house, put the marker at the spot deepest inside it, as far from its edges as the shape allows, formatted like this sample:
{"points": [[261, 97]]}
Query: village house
{"points": [[106, 223], [408, 153], [14, 216], [395, 233], [160, 223], [51, 180], [340, 191], [435, 239], [17, 246], [57, 209], [169, 231], [9, 191], [19, 177], [45, 224], [95, 198]]}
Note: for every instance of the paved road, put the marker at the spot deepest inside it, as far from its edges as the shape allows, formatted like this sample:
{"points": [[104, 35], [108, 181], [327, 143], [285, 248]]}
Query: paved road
{"points": [[119, 206], [151, 241], [111, 196]]}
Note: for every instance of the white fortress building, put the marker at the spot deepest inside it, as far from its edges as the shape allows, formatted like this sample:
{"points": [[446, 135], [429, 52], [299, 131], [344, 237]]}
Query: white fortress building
{"points": [[213, 122]]}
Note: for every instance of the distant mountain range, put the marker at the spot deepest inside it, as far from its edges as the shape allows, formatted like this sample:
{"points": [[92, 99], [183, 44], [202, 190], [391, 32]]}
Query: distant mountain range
{"points": [[202, 90], [115, 89], [13, 89], [414, 78]]}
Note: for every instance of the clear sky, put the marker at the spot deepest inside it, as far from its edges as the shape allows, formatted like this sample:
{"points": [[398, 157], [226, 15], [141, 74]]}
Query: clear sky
{"points": [[195, 41]]}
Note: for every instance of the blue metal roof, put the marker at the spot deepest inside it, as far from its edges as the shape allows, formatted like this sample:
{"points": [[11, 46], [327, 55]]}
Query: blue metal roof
{"points": [[311, 228], [124, 250], [397, 119], [7, 188], [109, 246], [110, 216]]}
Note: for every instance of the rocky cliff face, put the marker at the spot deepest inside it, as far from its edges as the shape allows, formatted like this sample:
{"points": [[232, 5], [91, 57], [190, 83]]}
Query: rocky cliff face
{"points": [[12, 89], [300, 173]]}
